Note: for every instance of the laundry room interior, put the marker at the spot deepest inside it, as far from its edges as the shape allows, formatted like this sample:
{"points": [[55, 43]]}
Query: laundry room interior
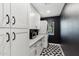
{"points": [[39, 29]]}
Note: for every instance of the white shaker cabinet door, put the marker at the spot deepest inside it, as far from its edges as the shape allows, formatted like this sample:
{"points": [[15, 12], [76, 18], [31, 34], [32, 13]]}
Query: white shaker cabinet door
{"points": [[1, 41], [1, 15], [19, 15], [45, 41], [39, 47], [6, 15], [34, 18], [5, 42], [19, 45], [1, 45]]}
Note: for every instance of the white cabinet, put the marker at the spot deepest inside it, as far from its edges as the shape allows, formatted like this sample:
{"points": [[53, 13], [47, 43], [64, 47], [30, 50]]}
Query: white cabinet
{"points": [[39, 47], [5, 42], [19, 15], [45, 41], [13, 29], [13, 15], [32, 50], [34, 18], [19, 43], [19, 35], [2, 33], [1, 45], [43, 27], [1, 15], [36, 49], [6, 15], [4, 29]]}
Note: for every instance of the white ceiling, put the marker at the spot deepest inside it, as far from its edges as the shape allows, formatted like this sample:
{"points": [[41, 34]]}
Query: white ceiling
{"points": [[48, 9]]}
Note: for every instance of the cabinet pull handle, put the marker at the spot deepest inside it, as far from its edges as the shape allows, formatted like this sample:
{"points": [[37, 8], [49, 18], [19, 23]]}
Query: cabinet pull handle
{"points": [[14, 36], [14, 20], [8, 37], [8, 19]]}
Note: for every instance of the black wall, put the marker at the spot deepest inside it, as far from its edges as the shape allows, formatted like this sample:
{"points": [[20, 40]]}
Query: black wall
{"points": [[70, 36], [56, 37], [57, 30], [70, 30]]}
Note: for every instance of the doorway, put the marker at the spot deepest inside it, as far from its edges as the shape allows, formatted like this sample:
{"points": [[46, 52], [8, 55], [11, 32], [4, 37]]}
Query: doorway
{"points": [[53, 29]]}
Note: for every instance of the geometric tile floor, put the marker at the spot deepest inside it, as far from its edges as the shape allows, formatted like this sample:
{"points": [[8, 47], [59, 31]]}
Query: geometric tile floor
{"points": [[52, 50]]}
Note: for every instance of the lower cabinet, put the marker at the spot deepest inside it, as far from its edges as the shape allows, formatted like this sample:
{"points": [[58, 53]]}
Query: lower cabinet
{"points": [[45, 41], [1, 45], [13, 42], [36, 49], [19, 42], [39, 47], [19, 45], [33, 51], [5, 42]]}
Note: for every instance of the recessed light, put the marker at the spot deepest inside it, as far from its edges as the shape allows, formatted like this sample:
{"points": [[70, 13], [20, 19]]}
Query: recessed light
{"points": [[48, 11]]}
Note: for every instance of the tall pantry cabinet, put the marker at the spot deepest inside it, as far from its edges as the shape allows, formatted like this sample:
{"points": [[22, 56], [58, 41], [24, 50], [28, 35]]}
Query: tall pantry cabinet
{"points": [[5, 42], [13, 29]]}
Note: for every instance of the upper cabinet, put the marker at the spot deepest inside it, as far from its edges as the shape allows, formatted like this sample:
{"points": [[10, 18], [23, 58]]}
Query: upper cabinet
{"points": [[1, 15], [5, 15], [19, 15], [33, 17], [13, 15]]}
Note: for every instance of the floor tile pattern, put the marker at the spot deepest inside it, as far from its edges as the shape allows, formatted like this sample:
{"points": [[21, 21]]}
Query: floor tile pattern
{"points": [[52, 50]]}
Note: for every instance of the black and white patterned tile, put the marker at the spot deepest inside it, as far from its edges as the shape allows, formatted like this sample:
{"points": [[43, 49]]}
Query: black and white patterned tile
{"points": [[52, 50]]}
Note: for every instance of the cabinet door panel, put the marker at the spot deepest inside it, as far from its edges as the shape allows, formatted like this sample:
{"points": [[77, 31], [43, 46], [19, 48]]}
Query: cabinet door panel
{"points": [[39, 47], [4, 44], [19, 46], [45, 41], [1, 15], [19, 15], [32, 51], [1, 44], [7, 43], [6, 15], [34, 17]]}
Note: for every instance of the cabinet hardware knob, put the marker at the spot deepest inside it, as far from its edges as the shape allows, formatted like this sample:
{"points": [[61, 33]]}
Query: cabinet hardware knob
{"points": [[8, 19], [8, 37], [14, 20], [14, 36]]}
